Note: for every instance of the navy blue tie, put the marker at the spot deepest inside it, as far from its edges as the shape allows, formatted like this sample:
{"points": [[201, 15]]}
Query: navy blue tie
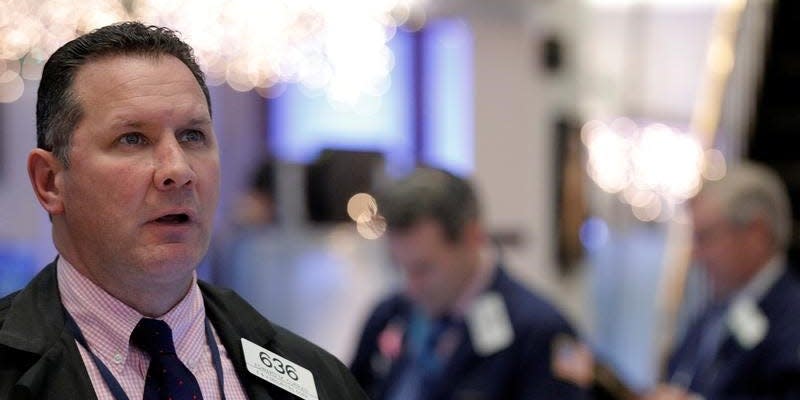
{"points": [[167, 377]]}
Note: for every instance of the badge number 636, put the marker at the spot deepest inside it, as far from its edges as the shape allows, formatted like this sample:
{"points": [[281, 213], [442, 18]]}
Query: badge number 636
{"points": [[278, 366]]}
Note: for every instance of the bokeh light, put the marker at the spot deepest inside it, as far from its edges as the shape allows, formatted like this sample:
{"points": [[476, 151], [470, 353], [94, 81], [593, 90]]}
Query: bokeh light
{"points": [[370, 226], [361, 203], [715, 167], [652, 3], [363, 209], [11, 88], [338, 49], [594, 233], [652, 168]]}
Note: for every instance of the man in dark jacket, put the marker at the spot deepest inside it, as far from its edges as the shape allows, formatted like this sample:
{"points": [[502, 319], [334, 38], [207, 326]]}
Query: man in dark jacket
{"points": [[746, 344], [127, 167], [462, 328]]}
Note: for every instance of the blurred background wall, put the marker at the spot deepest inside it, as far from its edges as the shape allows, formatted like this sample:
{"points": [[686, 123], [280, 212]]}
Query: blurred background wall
{"points": [[584, 123]]}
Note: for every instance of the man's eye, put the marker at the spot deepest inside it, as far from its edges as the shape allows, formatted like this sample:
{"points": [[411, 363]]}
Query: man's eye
{"points": [[132, 139], [192, 136]]}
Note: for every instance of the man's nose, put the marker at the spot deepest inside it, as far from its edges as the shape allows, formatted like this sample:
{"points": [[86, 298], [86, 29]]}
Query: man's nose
{"points": [[173, 169]]}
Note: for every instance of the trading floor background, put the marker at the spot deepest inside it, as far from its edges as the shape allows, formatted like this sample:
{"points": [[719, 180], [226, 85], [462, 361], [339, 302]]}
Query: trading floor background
{"points": [[585, 125]]}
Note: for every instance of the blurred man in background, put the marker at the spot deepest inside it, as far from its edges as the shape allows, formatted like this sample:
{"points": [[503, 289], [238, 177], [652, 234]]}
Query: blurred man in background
{"points": [[746, 344], [462, 328]]}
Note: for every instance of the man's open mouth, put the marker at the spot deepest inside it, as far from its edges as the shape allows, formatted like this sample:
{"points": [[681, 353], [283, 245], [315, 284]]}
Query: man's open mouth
{"points": [[173, 219]]}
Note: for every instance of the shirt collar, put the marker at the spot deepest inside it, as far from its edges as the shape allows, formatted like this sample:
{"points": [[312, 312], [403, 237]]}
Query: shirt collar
{"points": [[480, 281], [107, 322], [759, 285]]}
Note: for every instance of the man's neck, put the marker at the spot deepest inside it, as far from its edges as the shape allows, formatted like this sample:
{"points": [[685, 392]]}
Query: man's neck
{"points": [[477, 282], [762, 280], [149, 298]]}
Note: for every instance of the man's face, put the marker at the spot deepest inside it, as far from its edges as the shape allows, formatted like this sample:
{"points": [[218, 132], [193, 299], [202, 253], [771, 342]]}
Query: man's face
{"points": [[435, 270], [142, 187], [721, 247]]}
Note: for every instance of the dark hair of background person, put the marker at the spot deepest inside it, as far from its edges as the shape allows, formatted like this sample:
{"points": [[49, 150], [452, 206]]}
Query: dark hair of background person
{"points": [[429, 193], [58, 111]]}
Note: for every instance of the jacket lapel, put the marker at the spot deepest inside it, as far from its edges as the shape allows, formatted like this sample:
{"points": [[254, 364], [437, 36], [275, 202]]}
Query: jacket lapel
{"points": [[732, 358], [34, 328], [231, 329], [399, 365], [464, 357], [58, 372], [459, 363]]}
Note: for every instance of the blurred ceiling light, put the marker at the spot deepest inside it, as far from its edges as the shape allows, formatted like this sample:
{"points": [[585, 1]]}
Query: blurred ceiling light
{"points": [[336, 48], [361, 203], [653, 168], [594, 233], [715, 167], [11, 88], [370, 227], [655, 3], [363, 209]]}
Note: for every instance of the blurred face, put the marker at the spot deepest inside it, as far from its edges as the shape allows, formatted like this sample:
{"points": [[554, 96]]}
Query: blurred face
{"points": [[142, 186], [436, 270], [722, 248]]}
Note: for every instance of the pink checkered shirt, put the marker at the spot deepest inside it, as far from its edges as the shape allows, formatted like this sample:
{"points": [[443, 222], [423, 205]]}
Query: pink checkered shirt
{"points": [[107, 324]]}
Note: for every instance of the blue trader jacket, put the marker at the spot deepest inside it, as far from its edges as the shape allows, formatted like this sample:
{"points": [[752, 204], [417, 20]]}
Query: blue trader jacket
{"points": [[769, 369], [520, 371]]}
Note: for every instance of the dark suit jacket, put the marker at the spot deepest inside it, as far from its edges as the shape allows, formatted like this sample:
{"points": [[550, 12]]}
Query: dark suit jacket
{"points": [[520, 371], [40, 360], [770, 370]]}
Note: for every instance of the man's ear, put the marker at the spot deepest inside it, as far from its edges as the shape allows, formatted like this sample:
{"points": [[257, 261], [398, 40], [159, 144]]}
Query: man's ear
{"points": [[474, 233], [44, 170], [761, 231]]}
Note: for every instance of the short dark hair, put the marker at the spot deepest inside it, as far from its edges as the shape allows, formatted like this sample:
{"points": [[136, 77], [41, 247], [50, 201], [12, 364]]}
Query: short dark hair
{"points": [[58, 110], [429, 193]]}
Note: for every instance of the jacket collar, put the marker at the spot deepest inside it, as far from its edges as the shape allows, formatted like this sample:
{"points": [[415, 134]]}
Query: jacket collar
{"points": [[34, 325], [774, 303], [35, 319], [463, 357], [233, 319]]}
